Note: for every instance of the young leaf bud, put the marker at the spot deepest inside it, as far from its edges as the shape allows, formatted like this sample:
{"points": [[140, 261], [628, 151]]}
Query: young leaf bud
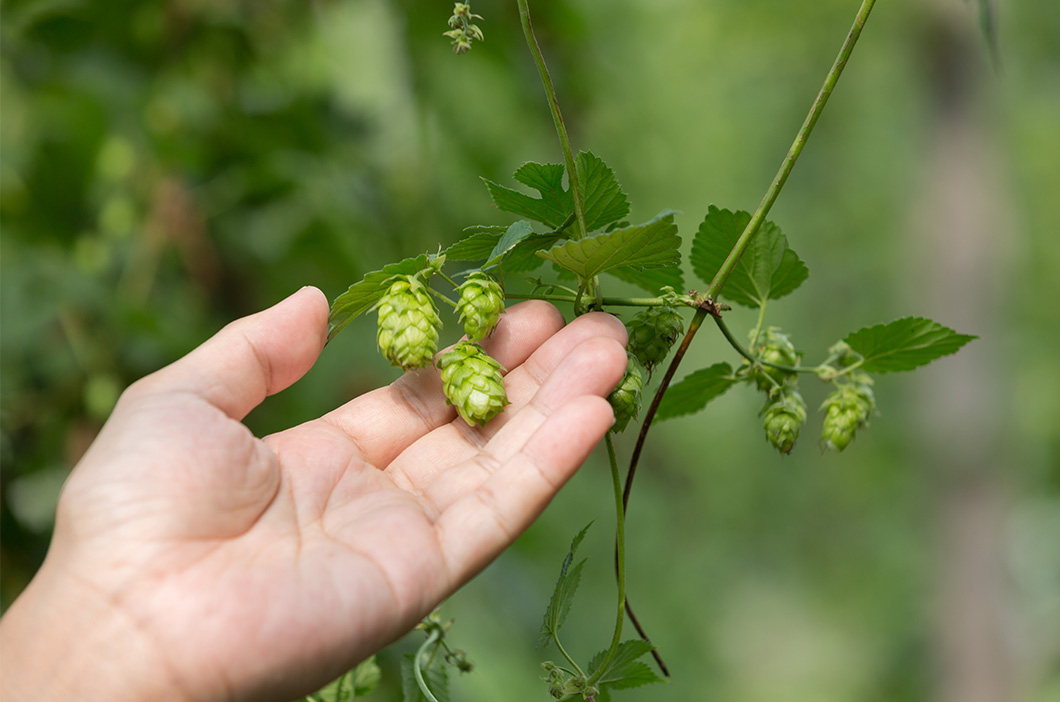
{"points": [[472, 383], [408, 324], [480, 305]]}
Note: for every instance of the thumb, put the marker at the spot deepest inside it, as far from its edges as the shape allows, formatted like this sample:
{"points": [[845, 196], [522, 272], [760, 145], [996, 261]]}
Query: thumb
{"points": [[251, 358]]}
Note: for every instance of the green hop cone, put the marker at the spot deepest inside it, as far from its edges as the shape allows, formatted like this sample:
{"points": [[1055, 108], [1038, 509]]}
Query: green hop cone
{"points": [[783, 419], [408, 324], [472, 383], [480, 305], [625, 398], [773, 347], [651, 334], [847, 410]]}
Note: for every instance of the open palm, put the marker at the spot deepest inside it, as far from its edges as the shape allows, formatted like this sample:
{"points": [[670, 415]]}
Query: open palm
{"points": [[245, 568]]}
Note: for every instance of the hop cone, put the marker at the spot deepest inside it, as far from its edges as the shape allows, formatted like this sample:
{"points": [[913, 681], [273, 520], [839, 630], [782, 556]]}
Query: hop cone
{"points": [[408, 324], [480, 305], [472, 383], [625, 398], [783, 419], [846, 410], [773, 347], [651, 334]]}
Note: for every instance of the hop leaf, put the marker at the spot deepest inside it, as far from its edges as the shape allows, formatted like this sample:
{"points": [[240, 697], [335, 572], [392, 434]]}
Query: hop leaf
{"points": [[408, 324], [847, 410], [651, 334], [472, 383], [480, 305], [625, 399], [783, 418]]}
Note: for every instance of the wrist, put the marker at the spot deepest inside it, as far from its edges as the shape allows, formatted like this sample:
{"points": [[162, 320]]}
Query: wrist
{"points": [[63, 639]]}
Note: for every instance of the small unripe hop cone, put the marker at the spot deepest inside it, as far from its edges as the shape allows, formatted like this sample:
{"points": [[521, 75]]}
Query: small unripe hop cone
{"points": [[480, 305], [783, 420], [652, 333], [472, 383], [846, 411], [625, 398], [408, 324], [774, 347]]}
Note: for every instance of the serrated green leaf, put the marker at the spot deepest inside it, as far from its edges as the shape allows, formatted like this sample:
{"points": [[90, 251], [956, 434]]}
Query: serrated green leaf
{"points": [[477, 243], [604, 202], [563, 595], [513, 235], [767, 270], [694, 392], [904, 344], [649, 245], [550, 209], [436, 677], [625, 671], [523, 256], [361, 296], [350, 685], [651, 279]]}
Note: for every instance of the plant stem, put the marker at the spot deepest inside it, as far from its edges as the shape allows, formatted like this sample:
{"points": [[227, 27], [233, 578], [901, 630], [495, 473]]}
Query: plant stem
{"points": [[567, 656], [432, 638], [620, 559], [793, 153], [557, 117]]}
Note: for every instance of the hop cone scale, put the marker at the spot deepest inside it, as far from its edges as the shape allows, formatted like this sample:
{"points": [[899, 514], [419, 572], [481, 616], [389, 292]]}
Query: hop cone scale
{"points": [[472, 383], [480, 305], [408, 324]]}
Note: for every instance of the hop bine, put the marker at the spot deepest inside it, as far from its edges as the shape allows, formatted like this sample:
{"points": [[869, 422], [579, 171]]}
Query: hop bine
{"points": [[480, 305], [408, 324], [472, 383]]}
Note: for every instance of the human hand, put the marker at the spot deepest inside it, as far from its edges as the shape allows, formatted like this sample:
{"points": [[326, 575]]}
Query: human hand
{"points": [[194, 561]]}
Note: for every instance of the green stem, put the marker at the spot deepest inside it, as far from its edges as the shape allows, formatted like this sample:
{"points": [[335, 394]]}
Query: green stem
{"points": [[793, 153], [441, 296], [620, 560], [448, 279], [605, 301], [557, 117], [567, 656], [432, 638]]}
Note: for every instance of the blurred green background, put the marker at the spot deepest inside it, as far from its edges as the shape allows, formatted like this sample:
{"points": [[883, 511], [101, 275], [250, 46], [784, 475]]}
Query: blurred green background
{"points": [[167, 167]]}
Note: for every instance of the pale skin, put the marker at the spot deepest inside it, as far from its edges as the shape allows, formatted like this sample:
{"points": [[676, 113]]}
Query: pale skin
{"points": [[193, 561]]}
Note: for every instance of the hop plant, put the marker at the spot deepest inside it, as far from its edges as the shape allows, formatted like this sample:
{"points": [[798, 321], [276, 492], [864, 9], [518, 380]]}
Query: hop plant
{"points": [[480, 305], [651, 334], [772, 346], [472, 383], [783, 418], [625, 398], [846, 411], [408, 324]]}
